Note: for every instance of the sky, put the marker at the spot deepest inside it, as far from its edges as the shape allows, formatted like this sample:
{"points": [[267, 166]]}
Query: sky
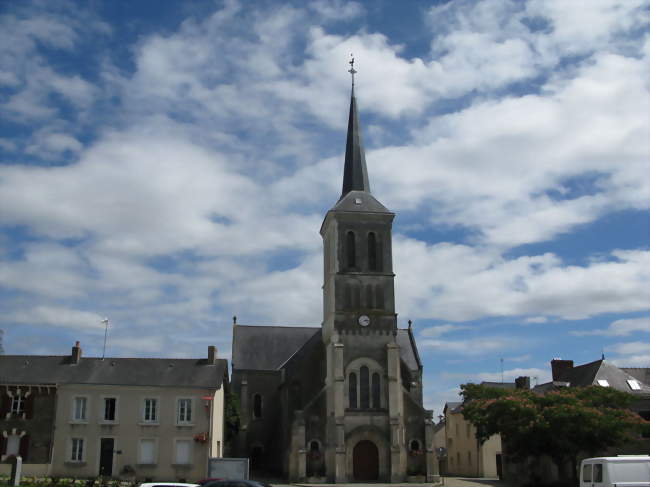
{"points": [[167, 165]]}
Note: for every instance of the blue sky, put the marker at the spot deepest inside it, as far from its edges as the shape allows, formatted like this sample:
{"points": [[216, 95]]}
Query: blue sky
{"points": [[168, 164]]}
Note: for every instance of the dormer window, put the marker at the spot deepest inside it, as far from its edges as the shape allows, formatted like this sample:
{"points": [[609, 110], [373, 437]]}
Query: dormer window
{"points": [[603, 383], [634, 384]]}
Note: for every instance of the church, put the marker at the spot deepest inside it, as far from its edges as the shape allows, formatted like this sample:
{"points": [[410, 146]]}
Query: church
{"points": [[341, 402]]}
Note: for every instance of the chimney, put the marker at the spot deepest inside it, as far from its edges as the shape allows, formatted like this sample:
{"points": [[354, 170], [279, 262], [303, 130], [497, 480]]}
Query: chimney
{"points": [[76, 354], [522, 382], [560, 368], [212, 355]]}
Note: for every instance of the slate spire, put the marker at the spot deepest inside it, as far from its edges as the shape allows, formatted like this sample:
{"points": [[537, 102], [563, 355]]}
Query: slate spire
{"points": [[355, 174]]}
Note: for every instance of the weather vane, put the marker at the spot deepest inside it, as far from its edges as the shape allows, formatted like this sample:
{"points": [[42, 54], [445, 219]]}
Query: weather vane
{"points": [[352, 71]]}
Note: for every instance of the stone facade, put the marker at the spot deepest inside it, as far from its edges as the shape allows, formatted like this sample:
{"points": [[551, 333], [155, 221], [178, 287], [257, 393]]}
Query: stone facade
{"points": [[342, 402]]}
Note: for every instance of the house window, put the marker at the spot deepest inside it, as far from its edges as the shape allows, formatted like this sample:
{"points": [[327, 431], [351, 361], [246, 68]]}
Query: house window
{"points": [[110, 408], [364, 387], [350, 246], [79, 408], [17, 405], [257, 405], [184, 410], [77, 450], [352, 385], [183, 452], [376, 388], [147, 454], [150, 411], [372, 252]]}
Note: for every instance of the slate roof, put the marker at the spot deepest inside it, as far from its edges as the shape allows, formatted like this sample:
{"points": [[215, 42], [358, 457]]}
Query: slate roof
{"points": [[500, 385], [591, 373], [641, 373], [453, 407], [355, 175], [264, 347], [267, 347], [44, 369]]}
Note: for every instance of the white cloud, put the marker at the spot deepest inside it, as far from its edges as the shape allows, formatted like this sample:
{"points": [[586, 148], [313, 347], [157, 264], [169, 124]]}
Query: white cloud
{"points": [[58, 317], [435, 331], [474, 346], [630, 348], [620, 328], [457, 282]]}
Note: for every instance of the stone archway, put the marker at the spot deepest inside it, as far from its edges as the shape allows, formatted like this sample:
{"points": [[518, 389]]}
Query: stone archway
{"points": [[365, 462]]}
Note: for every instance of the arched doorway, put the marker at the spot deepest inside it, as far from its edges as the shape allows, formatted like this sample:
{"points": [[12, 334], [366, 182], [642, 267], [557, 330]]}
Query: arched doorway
{"points": [[365, 461]]}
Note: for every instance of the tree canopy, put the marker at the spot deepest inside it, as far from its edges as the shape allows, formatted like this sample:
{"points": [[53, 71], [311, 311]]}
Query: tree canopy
{"points": [[562, 423]]}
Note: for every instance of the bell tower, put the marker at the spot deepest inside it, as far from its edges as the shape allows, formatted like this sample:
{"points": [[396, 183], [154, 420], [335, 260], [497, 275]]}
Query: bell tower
{"points": [[358, 289], [364, 399]]}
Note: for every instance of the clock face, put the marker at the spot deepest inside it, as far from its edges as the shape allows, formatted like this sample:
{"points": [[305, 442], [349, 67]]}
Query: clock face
{"points": [[364, 320]]}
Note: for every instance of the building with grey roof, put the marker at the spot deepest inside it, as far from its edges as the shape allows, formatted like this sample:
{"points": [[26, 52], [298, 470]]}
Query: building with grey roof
{"points": [[339, 402], [142, 418]]}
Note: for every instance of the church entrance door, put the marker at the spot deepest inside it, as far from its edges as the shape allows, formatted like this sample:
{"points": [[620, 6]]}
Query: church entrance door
{"points": [[365, 461]]}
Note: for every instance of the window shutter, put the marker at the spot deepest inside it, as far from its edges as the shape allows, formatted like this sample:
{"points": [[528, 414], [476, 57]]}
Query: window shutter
{"points": [[29, 406], [24, 447], [5, 405]]}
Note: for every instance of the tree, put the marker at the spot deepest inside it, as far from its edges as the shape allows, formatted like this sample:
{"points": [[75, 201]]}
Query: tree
{"points": [[231, 416], [562, 423]]}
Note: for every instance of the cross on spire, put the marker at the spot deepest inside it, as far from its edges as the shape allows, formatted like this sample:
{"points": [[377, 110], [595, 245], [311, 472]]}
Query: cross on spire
{"points": [[352, 71]]}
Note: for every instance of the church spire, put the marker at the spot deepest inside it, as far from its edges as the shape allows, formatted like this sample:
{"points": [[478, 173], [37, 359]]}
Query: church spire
{"points": [[355, 174]]}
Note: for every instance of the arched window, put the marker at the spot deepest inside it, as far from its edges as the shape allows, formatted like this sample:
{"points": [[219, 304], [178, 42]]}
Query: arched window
{"points": [[314, 446], [257, 406], [376, 391], [350, 246], [364, 389], [372, 252], [414, 445], [369, 297], [352, 384], [379, 291]]}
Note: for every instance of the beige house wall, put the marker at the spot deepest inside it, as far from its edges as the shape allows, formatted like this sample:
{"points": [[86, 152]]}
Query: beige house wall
{"points": [[217, 426], [464, 455], [129, 429]]}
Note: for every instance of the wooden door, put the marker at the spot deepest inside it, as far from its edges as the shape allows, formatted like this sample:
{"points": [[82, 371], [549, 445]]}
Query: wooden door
{"points": [[365, 461]]}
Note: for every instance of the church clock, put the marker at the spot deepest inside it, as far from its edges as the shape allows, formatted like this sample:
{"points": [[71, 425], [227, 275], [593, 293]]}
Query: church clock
{"points": [[364, 320]]}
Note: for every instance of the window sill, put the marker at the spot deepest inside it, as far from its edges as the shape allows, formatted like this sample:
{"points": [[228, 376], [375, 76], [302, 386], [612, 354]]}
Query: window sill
{"points": [[75, 463], [182, 465], [109, 423], [148, 423], [185, 425], [78, 421], [147, 465]]}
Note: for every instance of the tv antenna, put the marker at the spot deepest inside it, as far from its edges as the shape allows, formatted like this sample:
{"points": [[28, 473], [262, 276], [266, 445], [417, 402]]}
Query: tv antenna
{"points": [[105, 323]]}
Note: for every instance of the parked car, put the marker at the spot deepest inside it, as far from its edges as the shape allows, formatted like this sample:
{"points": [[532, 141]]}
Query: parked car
{"points": [[620, 471], [234, 483]]}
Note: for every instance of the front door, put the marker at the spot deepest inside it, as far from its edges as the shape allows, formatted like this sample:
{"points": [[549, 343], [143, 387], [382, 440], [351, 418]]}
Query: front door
{"points": [[106, 457], [365, 461]]}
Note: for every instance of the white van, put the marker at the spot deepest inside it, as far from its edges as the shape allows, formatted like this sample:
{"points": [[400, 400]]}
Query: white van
{"points": [[621, 471]]}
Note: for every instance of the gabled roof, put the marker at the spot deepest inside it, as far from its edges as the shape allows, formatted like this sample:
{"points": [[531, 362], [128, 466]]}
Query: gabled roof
{"points": [[452, 407], [602, 370], [44, 369], [259, 347], [267, 347]]}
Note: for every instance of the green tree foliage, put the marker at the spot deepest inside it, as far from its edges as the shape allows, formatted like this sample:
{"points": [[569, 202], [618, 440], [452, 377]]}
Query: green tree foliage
{"points": [[562, 424], [231, 416]]}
